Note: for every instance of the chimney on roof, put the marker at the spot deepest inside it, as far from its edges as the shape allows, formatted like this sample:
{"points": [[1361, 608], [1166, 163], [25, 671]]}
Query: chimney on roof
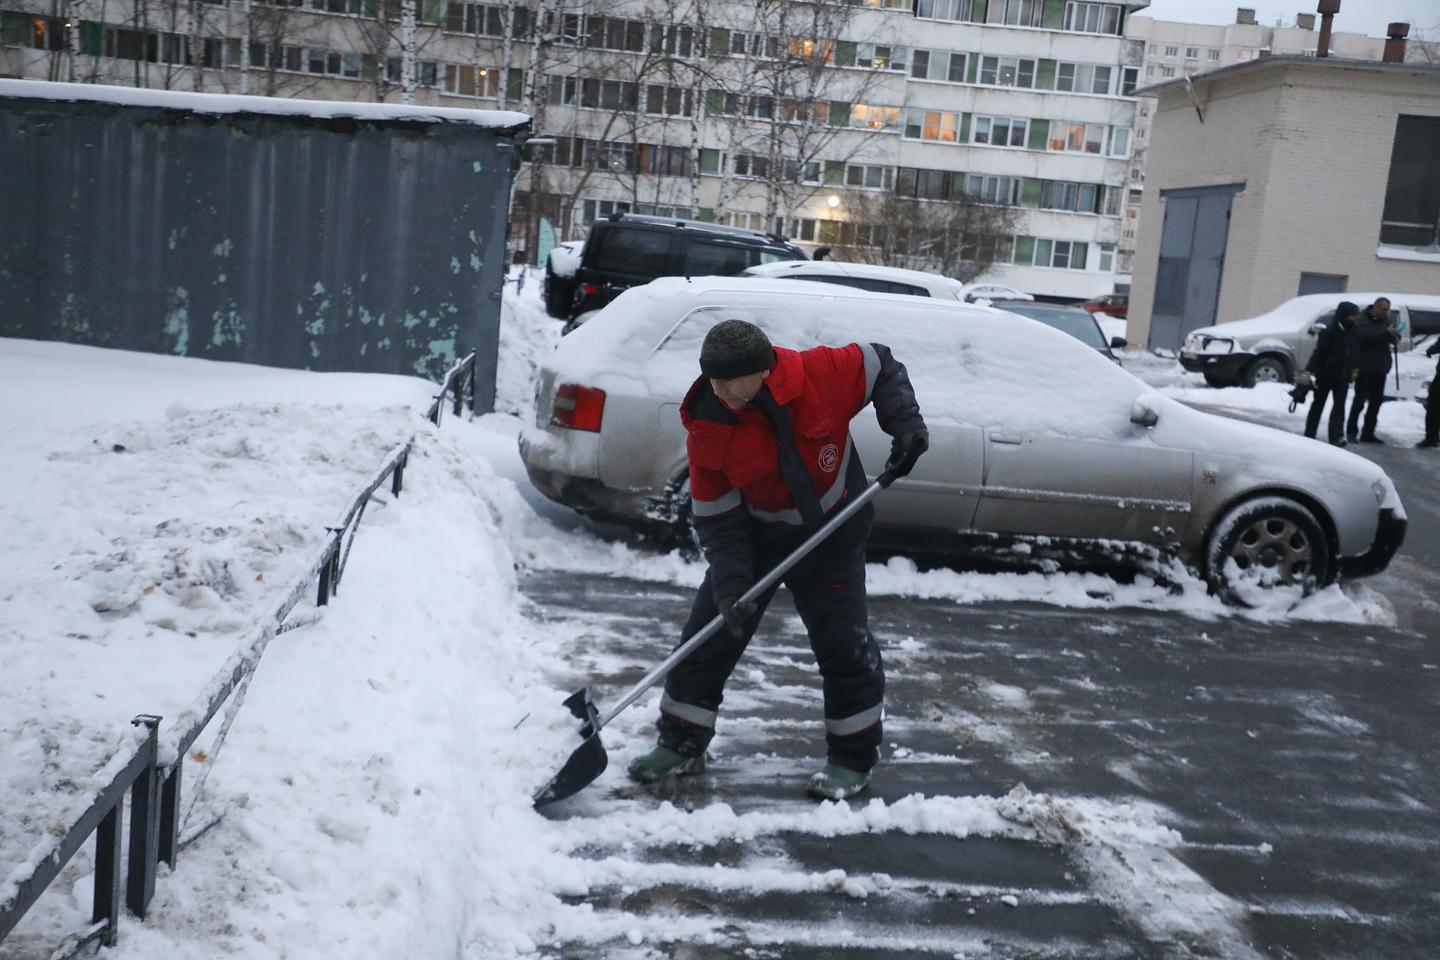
{"points": [[1245, 15], [1327, 11], [1395, 42], [1305, 21]]}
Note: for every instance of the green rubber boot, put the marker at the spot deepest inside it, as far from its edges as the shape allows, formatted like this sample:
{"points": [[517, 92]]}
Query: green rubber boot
{"points": [[837, 783], [663, 762]]}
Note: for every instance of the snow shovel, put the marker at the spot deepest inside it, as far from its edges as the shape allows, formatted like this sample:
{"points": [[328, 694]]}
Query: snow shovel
{"points": [[589, 759]]}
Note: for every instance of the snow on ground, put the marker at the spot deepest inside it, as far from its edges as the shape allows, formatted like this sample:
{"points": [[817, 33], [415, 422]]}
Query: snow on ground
{"points": [[376, 784]]}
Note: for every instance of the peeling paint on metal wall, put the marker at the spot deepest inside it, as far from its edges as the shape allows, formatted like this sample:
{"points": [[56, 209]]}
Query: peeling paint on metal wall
{"points": [[322, 243]]}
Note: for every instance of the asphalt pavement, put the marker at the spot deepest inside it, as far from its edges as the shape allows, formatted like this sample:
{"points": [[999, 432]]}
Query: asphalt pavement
{"points": [[1296, 762]]}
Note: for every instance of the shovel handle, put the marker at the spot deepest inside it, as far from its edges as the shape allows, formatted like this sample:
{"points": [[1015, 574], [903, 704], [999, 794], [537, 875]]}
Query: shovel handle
{"points": [[763, 584]]}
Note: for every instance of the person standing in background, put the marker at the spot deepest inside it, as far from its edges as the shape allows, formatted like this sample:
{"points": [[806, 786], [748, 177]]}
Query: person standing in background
{"points": [[1374, 336], [1432, 403], [1329, 367]]}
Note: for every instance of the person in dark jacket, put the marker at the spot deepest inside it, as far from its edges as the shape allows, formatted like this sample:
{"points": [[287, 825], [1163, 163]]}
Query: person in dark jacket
{"points": [[1374, 337], [770, 458], [1432, 403], [1330, 367]]}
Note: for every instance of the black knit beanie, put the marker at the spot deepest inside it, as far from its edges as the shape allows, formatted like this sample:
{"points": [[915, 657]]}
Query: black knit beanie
{"points": [[1346, 310], [735, 348]]}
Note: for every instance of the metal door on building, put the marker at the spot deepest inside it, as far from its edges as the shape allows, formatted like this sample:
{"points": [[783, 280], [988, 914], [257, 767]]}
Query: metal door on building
{"points": [[1192, 259]]}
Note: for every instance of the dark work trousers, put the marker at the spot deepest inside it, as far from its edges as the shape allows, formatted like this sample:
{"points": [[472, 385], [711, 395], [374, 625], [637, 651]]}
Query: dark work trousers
{"points": [[1432, 411], [829, 590], [1369, 393], [1335, 390]]}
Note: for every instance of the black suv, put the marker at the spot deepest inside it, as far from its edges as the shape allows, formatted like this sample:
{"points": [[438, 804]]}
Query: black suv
{"points": [[625, 250]]}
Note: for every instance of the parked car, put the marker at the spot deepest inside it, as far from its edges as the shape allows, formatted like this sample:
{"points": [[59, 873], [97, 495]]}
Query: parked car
{"points": [[992, 291], [1040, 447], [863, 276], [626, 249], [1072, 320], [1115, 304], [1271, 347]]}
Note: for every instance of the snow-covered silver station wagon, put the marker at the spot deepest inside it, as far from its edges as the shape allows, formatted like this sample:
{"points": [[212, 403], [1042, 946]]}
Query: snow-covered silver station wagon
{"points": [[1039, 445]]}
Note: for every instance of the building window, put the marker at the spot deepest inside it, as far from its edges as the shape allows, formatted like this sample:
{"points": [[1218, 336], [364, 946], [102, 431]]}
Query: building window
{"points": [[958, 10], [870, 117], [874, 177], [934, 125], [1007, 72], [1411, 216], [1071, 197], [1000, 131], [881, 57], [1213, 55], [937, 65], [1192, 53], [1119, 141], [1167, 71], [1129, 80], [1107, 257], [1172, 51], [1016, 13], [1077, 137], [591, 210], [929, 184], [1004, 191], [1061, 254], [1082, 78]]}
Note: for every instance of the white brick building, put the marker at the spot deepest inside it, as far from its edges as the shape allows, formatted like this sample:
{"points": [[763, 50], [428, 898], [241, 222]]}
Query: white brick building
{"points": [[1172, 49], [1306, 175], [782, 114]]}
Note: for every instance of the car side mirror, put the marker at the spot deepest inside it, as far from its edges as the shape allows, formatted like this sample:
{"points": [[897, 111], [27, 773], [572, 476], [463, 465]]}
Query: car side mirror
{"points": [[1315, 328], [1143, 414], [1118, 343]]}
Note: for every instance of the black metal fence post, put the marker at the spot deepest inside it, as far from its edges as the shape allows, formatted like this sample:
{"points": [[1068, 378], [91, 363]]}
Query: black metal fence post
{"points": [[169, 840], [397, 479], [327, 578], [107, 873], [144, 825]]}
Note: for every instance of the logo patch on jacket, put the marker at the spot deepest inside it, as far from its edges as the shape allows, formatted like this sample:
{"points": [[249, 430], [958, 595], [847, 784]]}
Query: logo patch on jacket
{"points": [[829, 457]]}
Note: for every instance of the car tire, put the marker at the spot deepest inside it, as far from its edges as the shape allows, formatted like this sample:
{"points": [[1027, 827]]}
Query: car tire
{"points": [[1267, 541], [1215, 380], [559, 294], [1266, 370]]}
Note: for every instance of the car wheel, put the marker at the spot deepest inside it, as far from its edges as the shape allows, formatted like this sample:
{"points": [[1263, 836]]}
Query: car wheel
{"points": [[1267, 542], [1266, 370], [1215, 380]]}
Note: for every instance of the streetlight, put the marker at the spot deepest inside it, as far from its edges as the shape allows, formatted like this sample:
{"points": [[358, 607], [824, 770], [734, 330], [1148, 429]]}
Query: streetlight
{"points": [[833, 200]]}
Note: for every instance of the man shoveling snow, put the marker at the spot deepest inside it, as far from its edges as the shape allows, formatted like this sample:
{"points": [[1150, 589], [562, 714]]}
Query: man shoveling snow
{"points": [[770, 459]]}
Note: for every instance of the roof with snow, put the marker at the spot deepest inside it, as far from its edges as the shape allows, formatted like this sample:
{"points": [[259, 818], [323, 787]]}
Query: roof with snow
{"points": [[506, 121]]}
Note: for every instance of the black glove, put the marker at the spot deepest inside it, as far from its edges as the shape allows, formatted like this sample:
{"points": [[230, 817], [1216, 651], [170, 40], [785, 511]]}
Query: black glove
{"points": [[1433, 349], [736, 612], [905, 450]]}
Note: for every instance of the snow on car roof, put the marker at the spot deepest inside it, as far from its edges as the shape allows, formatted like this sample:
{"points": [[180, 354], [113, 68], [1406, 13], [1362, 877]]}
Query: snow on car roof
{"points": [[871, 270], [1297, 312], [234, 103], [994, 367]]}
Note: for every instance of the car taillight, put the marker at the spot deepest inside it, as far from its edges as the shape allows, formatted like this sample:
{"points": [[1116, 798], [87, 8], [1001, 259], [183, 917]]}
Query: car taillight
{"points": [[578, 408]]}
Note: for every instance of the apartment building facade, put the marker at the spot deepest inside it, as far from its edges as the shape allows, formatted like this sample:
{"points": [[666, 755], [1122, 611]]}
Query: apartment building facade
{"points": [[1173, 49], [808, 119]]}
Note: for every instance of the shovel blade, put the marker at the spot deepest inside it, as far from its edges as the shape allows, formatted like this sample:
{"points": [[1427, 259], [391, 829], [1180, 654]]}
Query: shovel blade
{"points": [[584, 766], [589, 759]]}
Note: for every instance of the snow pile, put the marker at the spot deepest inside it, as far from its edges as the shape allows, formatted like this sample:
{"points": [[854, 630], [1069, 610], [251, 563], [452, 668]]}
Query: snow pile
{"points": [[527, 336]]}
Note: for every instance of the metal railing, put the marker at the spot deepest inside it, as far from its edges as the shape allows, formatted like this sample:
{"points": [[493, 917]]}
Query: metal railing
{"points": [[150, 769]]}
